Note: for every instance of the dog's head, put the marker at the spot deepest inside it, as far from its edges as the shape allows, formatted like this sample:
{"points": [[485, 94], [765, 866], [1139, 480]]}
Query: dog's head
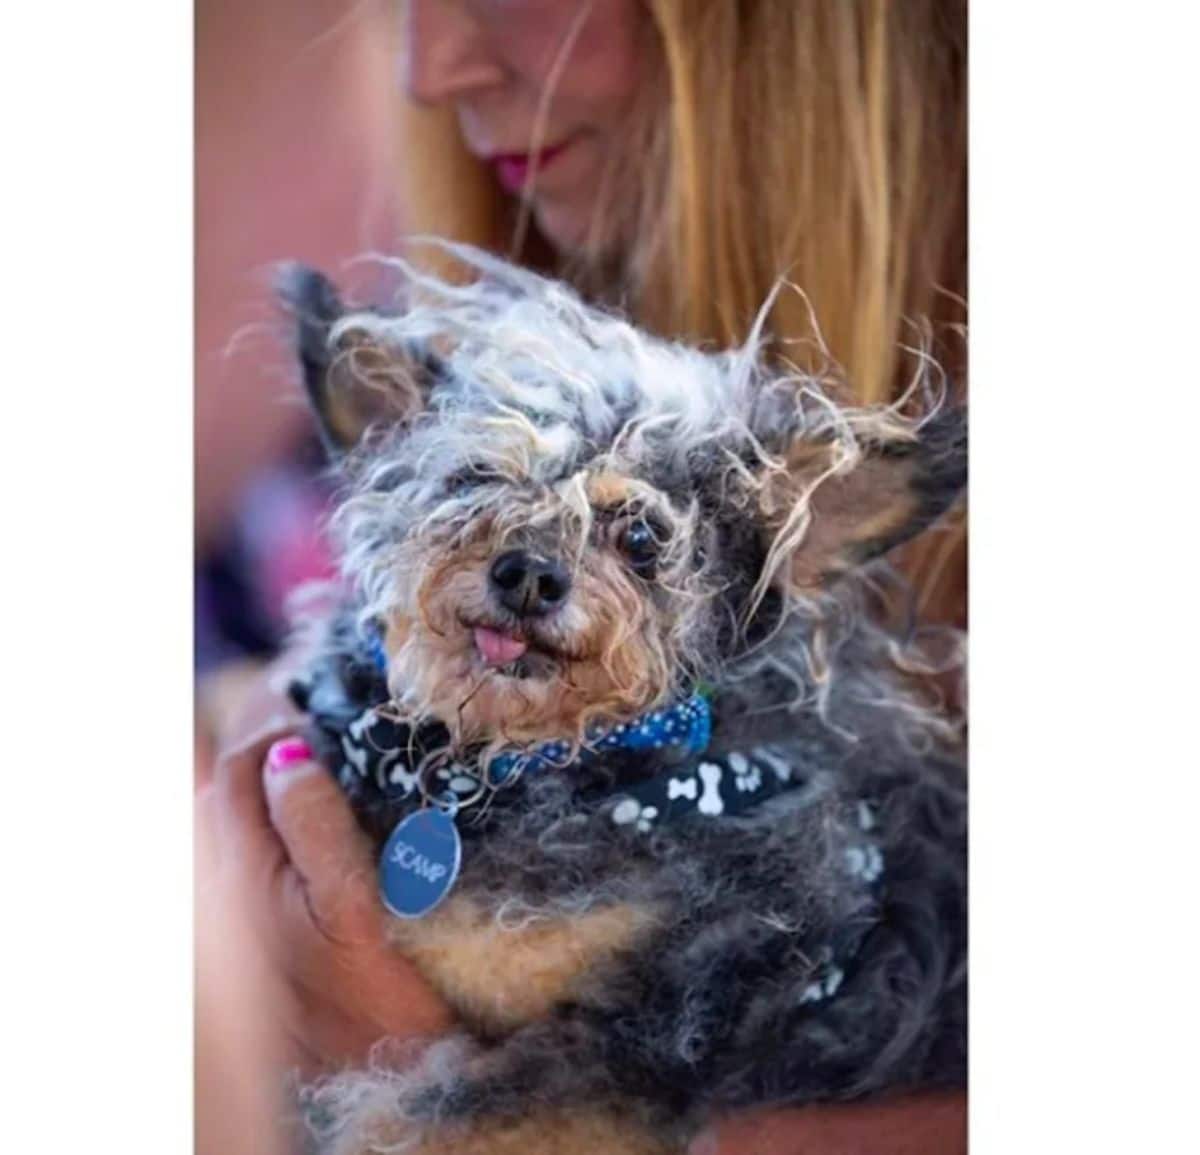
{"points": [[557, 520]]}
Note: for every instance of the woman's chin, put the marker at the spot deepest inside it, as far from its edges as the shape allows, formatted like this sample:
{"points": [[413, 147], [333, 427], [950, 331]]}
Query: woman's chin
{"points": [[563, 224]]}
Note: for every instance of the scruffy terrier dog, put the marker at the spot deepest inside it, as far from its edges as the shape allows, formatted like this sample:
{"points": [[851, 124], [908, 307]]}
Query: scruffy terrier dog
{"points": [[664, 812]]}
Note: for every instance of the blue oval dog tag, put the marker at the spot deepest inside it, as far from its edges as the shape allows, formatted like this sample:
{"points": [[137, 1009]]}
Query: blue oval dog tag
{"points": [[419, 863]]}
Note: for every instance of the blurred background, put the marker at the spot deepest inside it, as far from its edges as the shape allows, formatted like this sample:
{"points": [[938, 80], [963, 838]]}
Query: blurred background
{"points": [[293, 162], [293, 149]]}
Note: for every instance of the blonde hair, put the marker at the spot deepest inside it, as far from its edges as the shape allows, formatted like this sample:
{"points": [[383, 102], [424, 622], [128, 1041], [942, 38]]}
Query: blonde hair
{"points": [[819, 140]]}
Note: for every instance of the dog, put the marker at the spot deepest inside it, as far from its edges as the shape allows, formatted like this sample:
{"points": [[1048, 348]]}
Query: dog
{"points": [[666, 811]]}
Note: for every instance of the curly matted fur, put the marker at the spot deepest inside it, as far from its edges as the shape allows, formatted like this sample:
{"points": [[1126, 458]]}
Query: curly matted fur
{"points": [[706, 519]]}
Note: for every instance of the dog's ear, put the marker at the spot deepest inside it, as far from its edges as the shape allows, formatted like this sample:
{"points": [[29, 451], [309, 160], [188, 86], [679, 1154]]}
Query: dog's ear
{"points": [[354, 380], [826, 515]]}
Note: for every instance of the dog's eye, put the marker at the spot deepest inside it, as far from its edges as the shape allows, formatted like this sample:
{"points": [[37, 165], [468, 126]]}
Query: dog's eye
{"points": [[640, 540], [472, 475]]}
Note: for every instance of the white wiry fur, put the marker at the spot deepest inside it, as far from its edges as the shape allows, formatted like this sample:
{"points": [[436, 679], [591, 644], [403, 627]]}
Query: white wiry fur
{"points": [[536, 391], [542, 377], [349, 1108]]}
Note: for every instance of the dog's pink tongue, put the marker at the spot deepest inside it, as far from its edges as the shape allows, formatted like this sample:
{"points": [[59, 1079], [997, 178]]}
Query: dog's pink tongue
{"points": [[497, 648]]}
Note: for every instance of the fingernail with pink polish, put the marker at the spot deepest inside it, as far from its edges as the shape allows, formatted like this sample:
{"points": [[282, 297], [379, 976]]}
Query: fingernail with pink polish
{"points": [[287, 754]]}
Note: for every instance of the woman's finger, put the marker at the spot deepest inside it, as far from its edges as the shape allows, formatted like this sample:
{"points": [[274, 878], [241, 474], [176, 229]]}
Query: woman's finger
{"points": [[331, 916], [330, 856], [244, 827]]}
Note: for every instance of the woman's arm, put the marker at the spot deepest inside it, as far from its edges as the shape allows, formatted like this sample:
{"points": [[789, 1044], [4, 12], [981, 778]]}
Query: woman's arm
{"points": [[927, 1124]]}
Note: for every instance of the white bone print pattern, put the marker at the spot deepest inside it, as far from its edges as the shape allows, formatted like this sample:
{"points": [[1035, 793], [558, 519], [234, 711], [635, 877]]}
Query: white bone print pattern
{"points": [[681, 788], [401, 776], [746, 775], [825, 987], [355, 755], [354, 743], [457, 780], [359, 727], [629, 810], [865, 862], [710, 802]]}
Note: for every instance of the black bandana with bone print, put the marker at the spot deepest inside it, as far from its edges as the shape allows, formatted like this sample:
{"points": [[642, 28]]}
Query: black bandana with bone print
{"points": [[377, 749]]}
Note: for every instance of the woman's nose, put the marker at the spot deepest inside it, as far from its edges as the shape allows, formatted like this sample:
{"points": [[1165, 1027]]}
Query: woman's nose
{"points": [[446, 53]]}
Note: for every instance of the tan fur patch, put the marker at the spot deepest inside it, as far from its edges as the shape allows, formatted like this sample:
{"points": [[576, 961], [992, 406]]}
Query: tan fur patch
{"points": [[850, 510], [579, 1132], [867, 506], [499, 977], [367, 383], [397, 632], [608, 490]]}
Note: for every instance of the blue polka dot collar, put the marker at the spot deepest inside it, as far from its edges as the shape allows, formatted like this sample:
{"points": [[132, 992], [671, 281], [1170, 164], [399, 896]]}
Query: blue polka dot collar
{"points": [[685, 728]]}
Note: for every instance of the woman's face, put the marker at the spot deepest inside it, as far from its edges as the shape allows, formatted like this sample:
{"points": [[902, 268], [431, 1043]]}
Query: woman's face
{"points": [[542, 90]]}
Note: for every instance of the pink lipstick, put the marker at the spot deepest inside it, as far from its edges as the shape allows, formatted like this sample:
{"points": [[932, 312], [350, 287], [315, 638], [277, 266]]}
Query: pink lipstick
{"points": [[513, 168]]}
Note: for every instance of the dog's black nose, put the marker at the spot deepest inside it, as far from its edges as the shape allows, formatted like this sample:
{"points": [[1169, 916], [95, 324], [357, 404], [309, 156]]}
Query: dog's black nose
{"points": [[527, 584]]}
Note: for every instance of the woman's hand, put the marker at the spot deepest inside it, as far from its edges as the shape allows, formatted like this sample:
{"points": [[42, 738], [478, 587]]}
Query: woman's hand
{"points": [[286, 850]]}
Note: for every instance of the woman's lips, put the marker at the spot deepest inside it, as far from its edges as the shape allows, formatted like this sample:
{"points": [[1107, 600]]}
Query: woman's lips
{"points": [[513, 168], [498, 648]]}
